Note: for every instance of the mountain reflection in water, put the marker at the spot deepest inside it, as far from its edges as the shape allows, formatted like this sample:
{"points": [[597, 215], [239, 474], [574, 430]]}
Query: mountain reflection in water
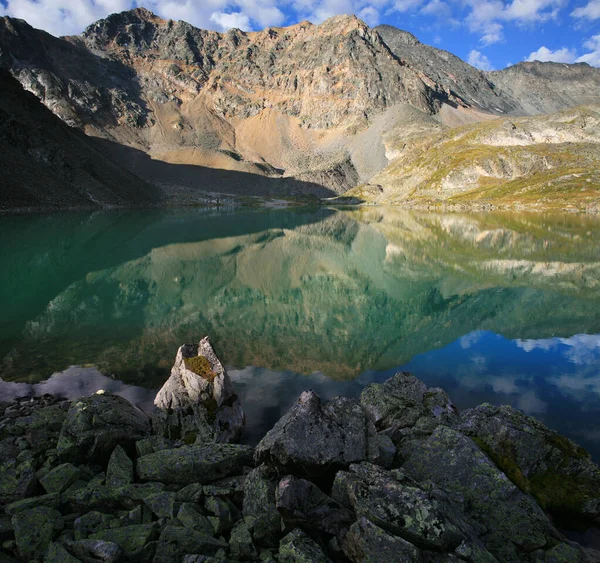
{"points": [[347, 296]]}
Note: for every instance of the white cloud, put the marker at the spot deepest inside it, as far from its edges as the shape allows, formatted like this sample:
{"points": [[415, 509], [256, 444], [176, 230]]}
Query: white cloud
{"points": [[590, 11], [479, 60], [593, 57], [544, 54], [227, 21]]}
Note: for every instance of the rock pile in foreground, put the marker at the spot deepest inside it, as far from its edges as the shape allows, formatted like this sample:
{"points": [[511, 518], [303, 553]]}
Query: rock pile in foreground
{"points": [[399, 476]]}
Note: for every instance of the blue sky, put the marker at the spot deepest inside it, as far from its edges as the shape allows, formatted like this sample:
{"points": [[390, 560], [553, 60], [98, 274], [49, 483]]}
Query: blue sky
{"points": [[491, 34]]}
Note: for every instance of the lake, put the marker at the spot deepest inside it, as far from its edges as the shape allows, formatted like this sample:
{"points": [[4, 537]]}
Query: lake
{"points": [[497, 307]]}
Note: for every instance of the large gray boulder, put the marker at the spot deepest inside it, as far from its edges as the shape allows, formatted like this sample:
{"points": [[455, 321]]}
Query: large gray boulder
{"points": [[301, 503], [95, 425], [404, 406], [198, 404], [424, 517], [557, 472], [367, 543], [194, 464], [35, 530], [297, 547], [259, 503], [510, 523], [312, 437]]}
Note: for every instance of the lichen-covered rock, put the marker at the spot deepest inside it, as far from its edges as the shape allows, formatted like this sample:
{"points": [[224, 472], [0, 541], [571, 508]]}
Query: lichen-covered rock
{"points": [[509, 523], [95, 550], [313, 437], [131, 539], [301, 503], [163, 504], [367, 543], [17, 479], [566, 552], [197, 403], [51, 500], [57, 553], [259, 503], [154, 443], [35, 530], [223, 514], [87, 524], [95, 425], [404, 406], [241, 546], [176, 542], [191, 516], [297, 547], [194, 464], [100, 497], [60, 478], [393, 501], [557, 472], [120, 468]]}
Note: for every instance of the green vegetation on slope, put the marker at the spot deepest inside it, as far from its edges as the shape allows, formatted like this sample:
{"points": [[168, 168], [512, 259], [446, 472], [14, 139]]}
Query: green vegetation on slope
{"points": [[539, 162]]}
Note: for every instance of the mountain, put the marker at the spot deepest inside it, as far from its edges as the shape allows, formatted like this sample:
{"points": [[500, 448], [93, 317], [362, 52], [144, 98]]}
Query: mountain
{"points": [[47, 164], [542, 161], [302, 109]]}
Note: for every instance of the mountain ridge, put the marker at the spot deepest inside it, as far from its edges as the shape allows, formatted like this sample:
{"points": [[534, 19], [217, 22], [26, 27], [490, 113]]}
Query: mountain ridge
{"points": [[303, 103]]}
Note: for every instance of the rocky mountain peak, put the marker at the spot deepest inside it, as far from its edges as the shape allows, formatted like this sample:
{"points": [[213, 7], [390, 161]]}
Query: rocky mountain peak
{"points": [[401, 37]]}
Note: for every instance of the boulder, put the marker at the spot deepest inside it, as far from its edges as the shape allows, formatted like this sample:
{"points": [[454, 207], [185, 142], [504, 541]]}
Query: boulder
{"points": [[51, 500], [509, 522], [241, 546], [222, 514], [87, 524], [194, 464], [163, 504], [303, 504], [191, 516], [197, 403], [35, 530], [404, 406], [120, 468], [57, 553], [95, 550], [100, 497], [367, 543], [176, 542], [60, 478], [297, 547], [259, 503], [313, 438], [17, 479], [394, 502], [95, 425], [131, 539], [558, 473]]}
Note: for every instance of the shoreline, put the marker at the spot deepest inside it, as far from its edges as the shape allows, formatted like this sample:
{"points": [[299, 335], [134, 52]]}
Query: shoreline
{"points": [[325, 483]]}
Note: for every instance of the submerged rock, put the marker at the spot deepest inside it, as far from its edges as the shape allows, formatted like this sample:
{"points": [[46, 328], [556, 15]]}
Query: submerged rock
{"points": [[404, 406], [197, 403], [95, 425], [313, 438], [557, 472], [509, 522]]}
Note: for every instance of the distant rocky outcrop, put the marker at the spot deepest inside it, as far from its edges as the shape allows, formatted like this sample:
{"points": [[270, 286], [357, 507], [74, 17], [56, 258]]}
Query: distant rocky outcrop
{"points": [[461, 487], [301, 109]]}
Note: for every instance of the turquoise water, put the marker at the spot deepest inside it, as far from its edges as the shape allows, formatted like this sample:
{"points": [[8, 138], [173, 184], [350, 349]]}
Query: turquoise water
{"points": [[496, 307]]}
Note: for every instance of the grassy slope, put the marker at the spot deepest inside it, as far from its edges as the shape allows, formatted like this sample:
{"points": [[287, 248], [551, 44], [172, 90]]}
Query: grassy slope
{"points": [[545, 161]]}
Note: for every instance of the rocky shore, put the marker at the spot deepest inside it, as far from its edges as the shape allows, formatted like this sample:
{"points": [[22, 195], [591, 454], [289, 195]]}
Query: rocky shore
{"points": [[398, 476]]}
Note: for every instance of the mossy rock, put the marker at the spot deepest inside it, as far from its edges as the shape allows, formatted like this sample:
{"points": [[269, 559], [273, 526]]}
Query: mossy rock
{"points": [[200, 366]]}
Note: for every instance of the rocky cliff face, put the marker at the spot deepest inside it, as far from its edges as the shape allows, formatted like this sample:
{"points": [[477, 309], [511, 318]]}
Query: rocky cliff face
{"points": [[47, 164], [302, 103]]}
